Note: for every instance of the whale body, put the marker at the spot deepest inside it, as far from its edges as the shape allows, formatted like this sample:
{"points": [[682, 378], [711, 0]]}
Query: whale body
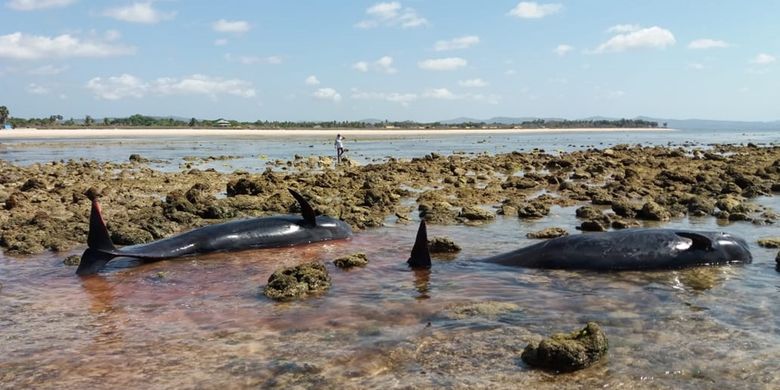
{"points": [[623, 250], [252, 233]]}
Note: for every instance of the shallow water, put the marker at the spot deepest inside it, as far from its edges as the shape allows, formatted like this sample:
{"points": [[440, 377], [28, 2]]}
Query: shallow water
{"points": [[202, 322], [252, 153]]}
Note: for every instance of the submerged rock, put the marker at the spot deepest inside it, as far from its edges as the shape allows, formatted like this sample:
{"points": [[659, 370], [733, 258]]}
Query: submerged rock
{"points": [[297, 282], [353, 260], [442, 245], [568, 352], [769, 242], [487, 309], [72, 260], [551, 232]]}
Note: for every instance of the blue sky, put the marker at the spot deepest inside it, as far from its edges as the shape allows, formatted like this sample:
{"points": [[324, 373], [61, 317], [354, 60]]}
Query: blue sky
{"points": [[397, 60]]}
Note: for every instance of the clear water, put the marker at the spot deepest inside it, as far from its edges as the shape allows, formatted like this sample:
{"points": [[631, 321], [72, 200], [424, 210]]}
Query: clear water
{"points": [[202, 322]]}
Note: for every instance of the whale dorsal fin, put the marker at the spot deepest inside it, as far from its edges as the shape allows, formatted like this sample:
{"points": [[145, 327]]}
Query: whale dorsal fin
{"points": [[698, 241], [309, 217], [420, 257]]}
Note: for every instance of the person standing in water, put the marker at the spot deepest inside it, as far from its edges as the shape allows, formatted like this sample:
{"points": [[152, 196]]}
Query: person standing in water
{"points": [[339, 147]]}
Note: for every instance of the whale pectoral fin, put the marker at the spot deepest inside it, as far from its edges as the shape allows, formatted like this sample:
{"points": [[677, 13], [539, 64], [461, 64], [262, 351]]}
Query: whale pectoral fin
{"points": [[307, 212], [92, 261], [698, 241], [420, 257]]}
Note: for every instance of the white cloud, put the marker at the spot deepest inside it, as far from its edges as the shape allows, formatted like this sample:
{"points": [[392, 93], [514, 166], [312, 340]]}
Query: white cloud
{"points": [[31, 47], [391, 14], [763, 59], [47, 70], [457, 43], [624, 28], [440, 93], [220, 42], [198, 84], [36, 89], [312, 80], [32, 5], [532, 10], [450, 63], [510, 72], [563, 49], [231, 26], [382, 65], [402, 98], [139, 13], [653, 37], [707, 44], [254, 60], [327, 94], [695, 66], [117, 87], [360, 66], [473, 83], [126, 85]]}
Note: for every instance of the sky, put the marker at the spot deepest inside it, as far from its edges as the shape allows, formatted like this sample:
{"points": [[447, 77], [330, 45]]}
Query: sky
{"points": [[417, 60]]}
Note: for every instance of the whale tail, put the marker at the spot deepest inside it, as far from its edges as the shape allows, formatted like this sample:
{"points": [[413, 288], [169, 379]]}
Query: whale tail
{"points": [[100, 249], [420, 257]]}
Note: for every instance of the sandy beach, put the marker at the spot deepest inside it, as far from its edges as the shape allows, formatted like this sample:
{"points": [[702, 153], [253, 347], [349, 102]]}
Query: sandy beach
{"points": [[87, 133]]}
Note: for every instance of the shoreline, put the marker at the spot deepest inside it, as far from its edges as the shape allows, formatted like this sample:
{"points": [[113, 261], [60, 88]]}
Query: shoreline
{"points": [[26, 133]]}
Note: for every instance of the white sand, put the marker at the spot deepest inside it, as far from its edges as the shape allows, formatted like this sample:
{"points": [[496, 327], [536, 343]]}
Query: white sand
{"points": [[304, 133]]}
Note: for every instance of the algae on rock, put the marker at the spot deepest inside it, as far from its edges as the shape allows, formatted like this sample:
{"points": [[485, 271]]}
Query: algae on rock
{"points": [[568, 352], [297, 282]]}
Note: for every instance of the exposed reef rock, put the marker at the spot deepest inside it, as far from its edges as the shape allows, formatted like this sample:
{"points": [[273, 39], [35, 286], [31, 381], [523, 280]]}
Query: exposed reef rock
{"points": [[353, 260], [551, 232], [297, 282], [568, 352]]}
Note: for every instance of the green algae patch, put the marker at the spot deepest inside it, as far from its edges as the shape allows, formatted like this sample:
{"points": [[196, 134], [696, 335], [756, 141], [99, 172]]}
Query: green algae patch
{"points": [[568, 352], [354, 260], [297, 282]]}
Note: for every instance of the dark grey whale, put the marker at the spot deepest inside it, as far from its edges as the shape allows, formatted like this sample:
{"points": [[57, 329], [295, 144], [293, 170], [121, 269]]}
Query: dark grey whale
{"points": [[253, 233], [623, 250]]}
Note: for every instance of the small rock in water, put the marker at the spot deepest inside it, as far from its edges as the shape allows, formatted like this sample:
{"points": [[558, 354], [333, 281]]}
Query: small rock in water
{"points": [[72, 260], [353, 260], [593, 226], [473, 213], [568, 352], [442, 245], [769, 242], [297, 282], [551, 232]]}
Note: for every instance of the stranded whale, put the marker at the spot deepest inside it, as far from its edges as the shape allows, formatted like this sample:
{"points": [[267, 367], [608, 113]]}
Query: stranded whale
{"points": [[624, 250], [253, 233]]}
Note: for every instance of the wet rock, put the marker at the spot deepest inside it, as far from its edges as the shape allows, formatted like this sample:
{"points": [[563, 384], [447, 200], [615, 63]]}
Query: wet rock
{"points": [[593, 225], [438, 213], [442, 245], [128, 235], [297, 282], [521, 183], [33, 184], [769, 242], [136, 158], [551, 232], [622, 224], [216, 212], [199, 194], [625, 209], [473, 213], [353, 260], [72, 260], [729, 204], [654, 212], [245, 186], [568, 352], [589, 212], [533, 209]]}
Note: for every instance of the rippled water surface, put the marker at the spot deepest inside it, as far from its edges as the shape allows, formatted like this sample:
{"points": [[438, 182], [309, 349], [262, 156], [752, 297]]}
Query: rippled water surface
{"points": [[202, 322]]}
